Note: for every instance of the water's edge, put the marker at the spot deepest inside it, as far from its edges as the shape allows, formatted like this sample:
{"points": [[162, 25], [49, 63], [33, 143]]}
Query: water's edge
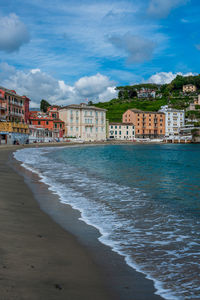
{"points": [[120, 275]]}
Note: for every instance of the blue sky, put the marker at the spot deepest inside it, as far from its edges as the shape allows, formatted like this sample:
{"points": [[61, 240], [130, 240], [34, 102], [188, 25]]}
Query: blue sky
{"points": [[66, 51]]}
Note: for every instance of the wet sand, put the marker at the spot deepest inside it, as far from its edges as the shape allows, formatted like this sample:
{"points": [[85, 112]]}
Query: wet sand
{"points": [[44, 255]]}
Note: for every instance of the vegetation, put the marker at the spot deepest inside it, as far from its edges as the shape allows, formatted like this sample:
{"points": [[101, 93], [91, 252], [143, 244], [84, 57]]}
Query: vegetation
{"points": [[116, 107], [167, 94], [44, 105]]}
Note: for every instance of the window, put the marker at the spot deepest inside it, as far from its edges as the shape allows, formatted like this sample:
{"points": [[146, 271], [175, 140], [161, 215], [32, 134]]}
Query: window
{"points": [[111, 127], [126, 127], [120, 132], [60, 125], [96, 129], [76, 128], [38, 122], [55, 125], [127, 132], [115, 132], [71, 128], [90, 113], [115, 127], [47, 122]]}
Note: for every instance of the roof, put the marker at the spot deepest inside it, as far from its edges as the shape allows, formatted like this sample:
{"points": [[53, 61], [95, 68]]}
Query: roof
{"points": [[11, 92], [146, 112], [82, 106], [118, 123]]}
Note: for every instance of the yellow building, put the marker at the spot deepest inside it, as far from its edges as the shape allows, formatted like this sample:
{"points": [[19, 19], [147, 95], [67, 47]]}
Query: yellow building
{"points": [[13, 133], [189, 88]]}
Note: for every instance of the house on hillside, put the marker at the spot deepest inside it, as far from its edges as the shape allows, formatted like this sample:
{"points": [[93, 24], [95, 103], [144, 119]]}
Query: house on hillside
{"points": [[146, 93], [189, 88]]}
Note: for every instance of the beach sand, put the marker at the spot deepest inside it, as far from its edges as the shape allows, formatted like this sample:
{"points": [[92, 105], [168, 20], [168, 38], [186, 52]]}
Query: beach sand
{"points": [[47, 253]]}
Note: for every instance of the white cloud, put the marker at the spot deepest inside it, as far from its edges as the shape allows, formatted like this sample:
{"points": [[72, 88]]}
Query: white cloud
{"points": [[161, 8], [166, 77], [38, 85], [139, 49], [13, 33]]}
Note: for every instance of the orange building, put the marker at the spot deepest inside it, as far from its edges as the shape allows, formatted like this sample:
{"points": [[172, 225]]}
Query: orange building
{"points": [[50, 121], [147, 124]]}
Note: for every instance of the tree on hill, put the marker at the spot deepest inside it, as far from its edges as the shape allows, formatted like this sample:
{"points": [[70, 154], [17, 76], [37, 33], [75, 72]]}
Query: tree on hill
{"points": [[44, 104], [179, 81]]}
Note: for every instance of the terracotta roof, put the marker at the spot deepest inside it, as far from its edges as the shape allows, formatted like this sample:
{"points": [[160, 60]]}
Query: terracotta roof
{"points": [[146, 112]]}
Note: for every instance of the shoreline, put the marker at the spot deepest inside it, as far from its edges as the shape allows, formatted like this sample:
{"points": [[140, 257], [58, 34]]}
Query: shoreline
{"points": [[119, 281]]}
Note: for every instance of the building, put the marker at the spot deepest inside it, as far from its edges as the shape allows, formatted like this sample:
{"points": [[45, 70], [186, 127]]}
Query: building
{"points": [[38, 134], [174, 120], [121, 131], [147, 124], [49, 121], [189, 88], [13, 133], [146, 93], [13, 108], [84, 122], [192, 106]]}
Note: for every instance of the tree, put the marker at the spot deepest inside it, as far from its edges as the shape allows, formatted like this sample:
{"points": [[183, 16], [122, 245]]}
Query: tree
{"points": [[90, 103], [44, 105]]}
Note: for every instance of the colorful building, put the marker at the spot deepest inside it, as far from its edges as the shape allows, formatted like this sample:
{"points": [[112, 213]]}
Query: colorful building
{"points": [[84, 122], [13, 108], [147, 124], [121, 131], [50, 121], [13, 133]]}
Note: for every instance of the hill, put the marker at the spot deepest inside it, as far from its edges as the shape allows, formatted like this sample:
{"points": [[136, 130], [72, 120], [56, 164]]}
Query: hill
{"points": [[167, 94]]}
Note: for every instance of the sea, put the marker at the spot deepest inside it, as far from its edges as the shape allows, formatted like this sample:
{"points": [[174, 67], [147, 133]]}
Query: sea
{"points": [[143, 199]]}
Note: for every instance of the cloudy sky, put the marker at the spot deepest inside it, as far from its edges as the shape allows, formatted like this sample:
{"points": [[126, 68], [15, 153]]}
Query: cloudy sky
{"points": [[68, 51]]}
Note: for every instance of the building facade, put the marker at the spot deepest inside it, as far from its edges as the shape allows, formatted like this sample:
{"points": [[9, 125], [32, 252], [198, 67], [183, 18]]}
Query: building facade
{"points": [[147, 124], [174, 120], [84, 122], [189, 88], [49, 121], [13, 108], [146, 93], [192, 105], [121, 131], [13, 133]]}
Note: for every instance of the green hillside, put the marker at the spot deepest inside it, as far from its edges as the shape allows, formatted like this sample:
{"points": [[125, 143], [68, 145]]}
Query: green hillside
{"points": [[167, 94]]}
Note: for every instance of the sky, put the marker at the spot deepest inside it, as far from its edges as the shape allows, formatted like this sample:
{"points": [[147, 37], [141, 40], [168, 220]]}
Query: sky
{"points": [[68, 51]]}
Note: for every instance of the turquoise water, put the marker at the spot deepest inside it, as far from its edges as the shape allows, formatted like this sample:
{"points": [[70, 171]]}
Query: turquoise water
{"points": [[144, 199]]}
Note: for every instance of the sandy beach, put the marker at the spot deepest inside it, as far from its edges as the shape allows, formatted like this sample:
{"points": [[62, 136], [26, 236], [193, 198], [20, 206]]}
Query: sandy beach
{"points": [[45, 255]]}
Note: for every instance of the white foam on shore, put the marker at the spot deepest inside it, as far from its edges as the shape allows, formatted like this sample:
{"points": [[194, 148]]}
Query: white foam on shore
{"points": [[101, 216]]}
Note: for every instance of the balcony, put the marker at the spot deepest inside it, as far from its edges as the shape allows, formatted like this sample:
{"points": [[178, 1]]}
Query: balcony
{"points": [[89, 125]]}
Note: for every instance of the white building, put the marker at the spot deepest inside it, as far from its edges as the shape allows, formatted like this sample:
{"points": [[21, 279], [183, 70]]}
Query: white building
{"points": [[84, 122], [121, 131], [146, 93], [174, 120]]}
